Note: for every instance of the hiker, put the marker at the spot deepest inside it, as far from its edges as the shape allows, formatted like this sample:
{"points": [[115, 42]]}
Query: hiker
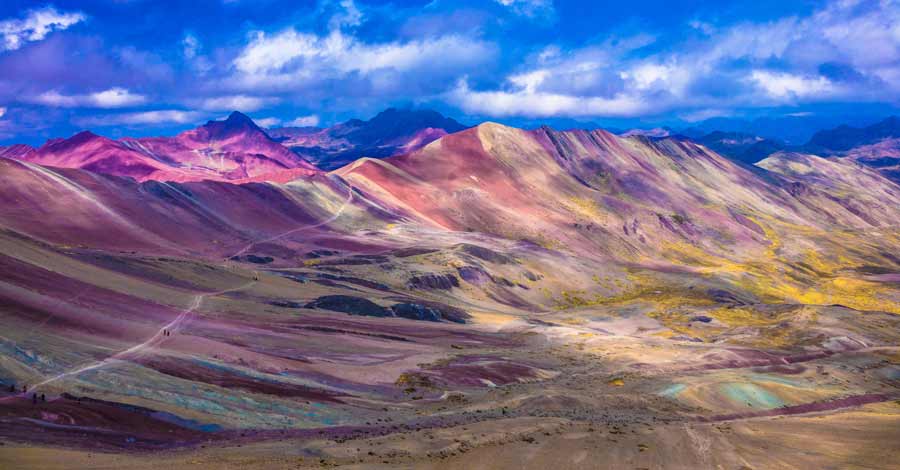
{"points": [[34, 398], [43, 397], [24, 388]]}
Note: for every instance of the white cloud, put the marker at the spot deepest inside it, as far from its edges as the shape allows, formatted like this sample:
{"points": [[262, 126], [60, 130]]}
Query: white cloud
{"points": [[304, 121], [786, 85], [2, 111], [236, 103], [158, 117], [36, 25], [847, 49], [267, 122], [530, 8], [349, 17], [525, 101], [190, 46], [341, 54], [112, 98]]}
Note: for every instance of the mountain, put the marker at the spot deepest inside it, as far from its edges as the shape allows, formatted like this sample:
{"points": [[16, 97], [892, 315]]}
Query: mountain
{"points": [[391, 132], [792, 130], [744, 148], [232, 149], [99, 154], [16, 151], [480, 287], [844, 138], [876, 146]]}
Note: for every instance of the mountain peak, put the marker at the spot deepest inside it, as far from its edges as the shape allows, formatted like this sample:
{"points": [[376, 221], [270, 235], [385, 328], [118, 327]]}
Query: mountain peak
{"points": [[237, 117], [236, 123]]}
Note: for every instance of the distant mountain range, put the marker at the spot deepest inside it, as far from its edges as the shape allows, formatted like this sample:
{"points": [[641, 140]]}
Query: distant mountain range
{"points": [[877, 145], [391, 132], [236, 149], [793, 130]]}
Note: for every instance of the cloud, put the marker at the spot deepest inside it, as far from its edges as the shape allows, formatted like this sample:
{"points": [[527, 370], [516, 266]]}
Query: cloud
{"points": [[2, 111], [847, 49], [267, 122], [788, 86], [111, 98], [156, 117], [304, 121], [530, 8], [350, 16], [236, 103], [524, 100], [190, 46], [341, 54], [36, 25], [191, 49]]}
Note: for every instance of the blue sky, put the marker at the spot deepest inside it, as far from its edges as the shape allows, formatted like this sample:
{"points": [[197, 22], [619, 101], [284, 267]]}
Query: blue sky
{"points": [[132, 67]]}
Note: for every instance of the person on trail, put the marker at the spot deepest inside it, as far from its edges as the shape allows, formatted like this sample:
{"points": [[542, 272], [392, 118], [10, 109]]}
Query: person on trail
{"points": [[24, 388], [34, 398], [43, 397]]}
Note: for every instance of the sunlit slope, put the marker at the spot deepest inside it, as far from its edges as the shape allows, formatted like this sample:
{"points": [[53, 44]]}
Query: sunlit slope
{"points": [[653, 205]]}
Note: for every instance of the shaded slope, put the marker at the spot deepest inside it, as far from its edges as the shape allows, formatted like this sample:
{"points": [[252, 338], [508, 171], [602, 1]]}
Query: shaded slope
{"points": [[76, 207]]}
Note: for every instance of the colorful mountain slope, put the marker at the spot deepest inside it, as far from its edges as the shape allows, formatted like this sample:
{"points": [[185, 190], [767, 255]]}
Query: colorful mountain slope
{"points": [[232, 149], [497, 282], [79, 208]]}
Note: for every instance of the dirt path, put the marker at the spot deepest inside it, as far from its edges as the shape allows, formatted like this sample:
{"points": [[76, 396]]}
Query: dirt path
{"points": [[300, 229], [175, 325], [154, 340]]}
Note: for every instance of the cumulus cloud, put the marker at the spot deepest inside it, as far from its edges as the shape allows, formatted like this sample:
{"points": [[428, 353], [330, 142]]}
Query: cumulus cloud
{"points": [[523, 99], [304, 121], [293, 60], [344, 54], [156, 117], [786, 85], [848, 49], [2, 111], [236, 103], [111, 98], [36, 25]]}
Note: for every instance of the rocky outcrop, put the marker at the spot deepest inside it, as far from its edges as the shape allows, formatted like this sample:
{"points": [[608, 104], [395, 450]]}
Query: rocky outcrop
{"points": [[433, 281]]}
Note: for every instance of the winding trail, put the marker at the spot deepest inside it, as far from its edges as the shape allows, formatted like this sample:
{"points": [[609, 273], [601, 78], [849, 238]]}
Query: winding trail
{"points": [[302, 228], [154, 340], [176, 324]]}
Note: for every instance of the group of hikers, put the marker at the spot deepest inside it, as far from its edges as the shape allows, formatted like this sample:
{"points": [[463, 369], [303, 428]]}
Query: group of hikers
{"points": [[43, 397], [34, 395]]}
